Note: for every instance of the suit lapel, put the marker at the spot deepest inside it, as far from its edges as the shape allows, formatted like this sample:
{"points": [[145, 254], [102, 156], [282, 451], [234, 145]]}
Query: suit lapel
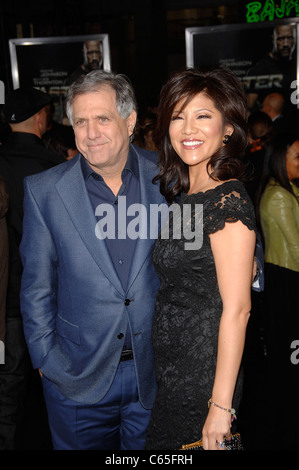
{"points": [[72, 190], [150, 195]]}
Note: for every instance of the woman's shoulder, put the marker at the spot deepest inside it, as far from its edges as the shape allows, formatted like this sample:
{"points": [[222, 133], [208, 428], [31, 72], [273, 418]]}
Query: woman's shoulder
{"points": [[218, 188], [228, 193], [275, 193], [229, 202], [231, 190]]}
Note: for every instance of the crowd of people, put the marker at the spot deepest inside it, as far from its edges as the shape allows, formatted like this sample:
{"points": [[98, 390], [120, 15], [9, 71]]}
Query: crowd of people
{"points": [[127, 341]]}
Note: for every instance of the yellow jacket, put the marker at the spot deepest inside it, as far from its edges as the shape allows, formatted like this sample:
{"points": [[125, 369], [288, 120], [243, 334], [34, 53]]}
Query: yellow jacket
{"points": [[279, 212]]}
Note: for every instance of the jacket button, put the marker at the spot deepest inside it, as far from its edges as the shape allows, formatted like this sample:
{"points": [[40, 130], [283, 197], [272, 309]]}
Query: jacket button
{"points": [[127, 302], [120, 335]]}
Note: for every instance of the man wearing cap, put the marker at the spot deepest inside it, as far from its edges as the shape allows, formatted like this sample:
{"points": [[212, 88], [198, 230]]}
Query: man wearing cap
{"points": [[22, 154]]}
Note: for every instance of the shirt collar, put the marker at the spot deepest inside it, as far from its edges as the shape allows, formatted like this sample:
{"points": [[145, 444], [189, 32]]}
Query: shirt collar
{"points": [[131, 165]]}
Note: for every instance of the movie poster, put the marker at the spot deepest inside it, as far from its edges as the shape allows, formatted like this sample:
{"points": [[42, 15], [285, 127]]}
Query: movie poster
{"points": [[52, 64], [263, 56]]}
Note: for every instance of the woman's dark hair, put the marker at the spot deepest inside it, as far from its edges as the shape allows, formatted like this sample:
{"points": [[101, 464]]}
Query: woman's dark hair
{"points": [[275, 167], [227, 94], [275, 163]]}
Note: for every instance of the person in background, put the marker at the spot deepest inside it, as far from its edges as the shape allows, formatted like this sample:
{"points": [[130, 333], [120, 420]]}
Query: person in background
{"points": [[203, 303], [144, 133], [273, 105], [93, 55], [61, 140], [283, 121], [260, 132], [278, 213], [88, 295], [278, 68], [92, 60], [23, 153]]}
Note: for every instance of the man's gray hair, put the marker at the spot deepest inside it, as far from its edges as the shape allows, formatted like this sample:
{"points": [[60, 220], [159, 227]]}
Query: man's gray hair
{"points": [[96, 80]]}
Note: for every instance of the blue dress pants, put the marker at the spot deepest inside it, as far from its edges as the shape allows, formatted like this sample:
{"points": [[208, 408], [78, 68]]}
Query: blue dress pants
{"points": [[117, 422]]}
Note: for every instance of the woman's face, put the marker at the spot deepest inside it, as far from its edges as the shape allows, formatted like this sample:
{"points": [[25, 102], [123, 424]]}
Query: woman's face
{"points": [[197, 131], [292, 161]]}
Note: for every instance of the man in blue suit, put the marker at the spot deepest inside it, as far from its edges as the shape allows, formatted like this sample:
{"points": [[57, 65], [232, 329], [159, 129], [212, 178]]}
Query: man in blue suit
{"points": [[89, 286]]}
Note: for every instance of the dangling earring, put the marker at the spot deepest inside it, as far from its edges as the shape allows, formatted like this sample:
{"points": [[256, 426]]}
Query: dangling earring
{"points": [[226, 139]]}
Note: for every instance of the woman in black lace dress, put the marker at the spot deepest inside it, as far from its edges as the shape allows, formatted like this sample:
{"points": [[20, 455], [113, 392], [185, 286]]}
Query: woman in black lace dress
{"points": [[203, 304]]}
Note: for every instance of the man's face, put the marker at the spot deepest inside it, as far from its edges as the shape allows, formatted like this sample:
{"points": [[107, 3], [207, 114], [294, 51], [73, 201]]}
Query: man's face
{"points": [[102, 136], [284, 41], [93, 55]]}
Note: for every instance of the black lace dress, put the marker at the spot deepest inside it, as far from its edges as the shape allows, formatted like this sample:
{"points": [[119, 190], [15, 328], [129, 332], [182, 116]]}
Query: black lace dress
{"points": [[187, 316]]}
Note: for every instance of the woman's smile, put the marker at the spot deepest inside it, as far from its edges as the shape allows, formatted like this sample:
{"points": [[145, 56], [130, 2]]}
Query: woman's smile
{"points": [[196, 130]]}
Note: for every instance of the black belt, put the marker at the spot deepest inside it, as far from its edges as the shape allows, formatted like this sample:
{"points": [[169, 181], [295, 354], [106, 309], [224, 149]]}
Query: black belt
{"points": [[126, 355]]}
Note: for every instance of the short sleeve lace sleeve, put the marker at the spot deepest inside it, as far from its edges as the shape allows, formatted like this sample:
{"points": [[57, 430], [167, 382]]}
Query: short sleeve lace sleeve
{"points": [[228, 202]]}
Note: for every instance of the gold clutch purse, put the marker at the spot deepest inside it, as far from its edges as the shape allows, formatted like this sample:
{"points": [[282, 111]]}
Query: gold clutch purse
{"points": [[234, 443]]}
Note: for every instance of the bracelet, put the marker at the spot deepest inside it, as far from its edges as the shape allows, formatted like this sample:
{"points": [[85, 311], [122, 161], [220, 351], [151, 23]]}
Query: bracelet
{"points": [[232, 411]]}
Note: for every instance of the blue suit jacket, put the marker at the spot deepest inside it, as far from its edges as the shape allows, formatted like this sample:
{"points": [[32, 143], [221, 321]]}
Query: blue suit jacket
{"points": [[73, 305]]}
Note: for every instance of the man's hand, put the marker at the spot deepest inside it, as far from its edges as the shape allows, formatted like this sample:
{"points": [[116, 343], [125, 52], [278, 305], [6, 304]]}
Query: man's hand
{"points": [[255, 270]]}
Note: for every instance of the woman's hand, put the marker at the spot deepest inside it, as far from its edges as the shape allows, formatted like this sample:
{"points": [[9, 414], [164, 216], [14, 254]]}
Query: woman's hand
{"points": [[216, 428]]}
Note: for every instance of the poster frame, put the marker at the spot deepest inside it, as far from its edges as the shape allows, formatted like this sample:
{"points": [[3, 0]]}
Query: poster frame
{"points": [[55, 41], [194, 32]]}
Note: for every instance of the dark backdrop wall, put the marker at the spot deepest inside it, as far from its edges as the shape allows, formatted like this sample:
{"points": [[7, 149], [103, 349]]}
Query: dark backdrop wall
{"points": [[147, 37]]}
